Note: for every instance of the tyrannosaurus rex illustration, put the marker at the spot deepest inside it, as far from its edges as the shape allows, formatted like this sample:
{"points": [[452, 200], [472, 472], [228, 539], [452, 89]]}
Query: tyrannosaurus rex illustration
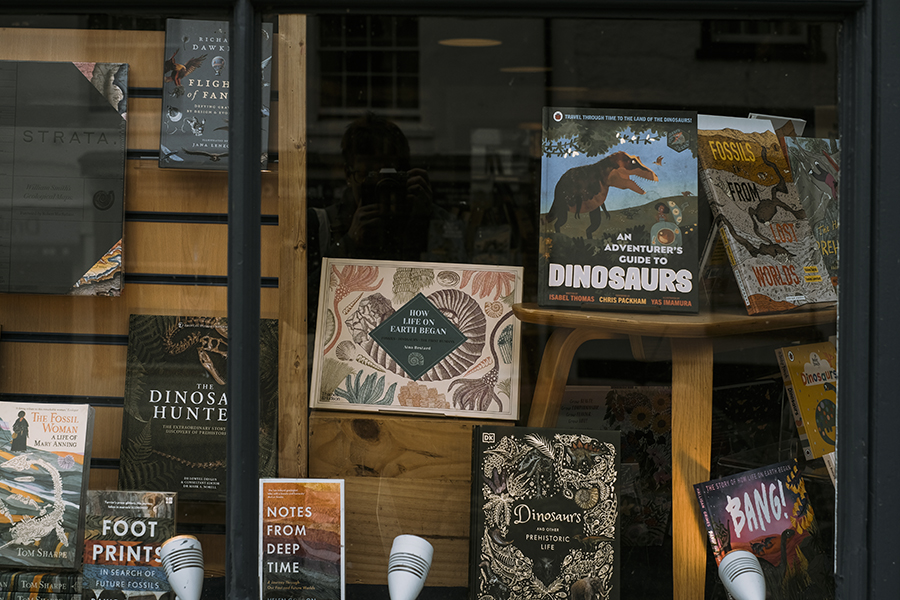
{"points": [[584, 189]]}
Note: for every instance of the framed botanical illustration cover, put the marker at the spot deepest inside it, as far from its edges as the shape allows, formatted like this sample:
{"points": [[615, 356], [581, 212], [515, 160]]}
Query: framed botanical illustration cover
{"points": [[437, 338]]}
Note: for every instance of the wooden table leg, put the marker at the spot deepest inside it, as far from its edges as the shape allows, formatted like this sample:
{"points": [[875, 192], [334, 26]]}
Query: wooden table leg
{"points": [[692, 374]]}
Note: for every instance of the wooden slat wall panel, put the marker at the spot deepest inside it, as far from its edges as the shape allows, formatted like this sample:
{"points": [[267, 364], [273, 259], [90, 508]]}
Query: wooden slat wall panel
{"points": [[109, 316], [107, 432], [62, 369]]}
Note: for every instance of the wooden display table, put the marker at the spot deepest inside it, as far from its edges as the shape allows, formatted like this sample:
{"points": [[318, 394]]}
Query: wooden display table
{"points": [[691, 338]]}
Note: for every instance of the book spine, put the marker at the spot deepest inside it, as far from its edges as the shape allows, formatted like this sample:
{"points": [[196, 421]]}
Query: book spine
{"points": [[710, 530], [831, 466], [738, 275], [795, 404]]}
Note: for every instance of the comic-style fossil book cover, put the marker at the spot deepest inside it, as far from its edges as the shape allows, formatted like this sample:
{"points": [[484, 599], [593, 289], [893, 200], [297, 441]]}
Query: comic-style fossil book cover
{"points": [[620, 226], [301, 539], [810, 380], [123, 534], [544, 514], [45, 452], [438, 338], [816, 166], [766, 231], [176, 407], [62, 173], [196, 89], [767, 511]]}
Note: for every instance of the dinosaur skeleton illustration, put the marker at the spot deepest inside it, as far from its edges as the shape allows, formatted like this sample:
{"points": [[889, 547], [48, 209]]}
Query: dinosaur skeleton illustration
{"points": [[206, 345], [31, 530]]}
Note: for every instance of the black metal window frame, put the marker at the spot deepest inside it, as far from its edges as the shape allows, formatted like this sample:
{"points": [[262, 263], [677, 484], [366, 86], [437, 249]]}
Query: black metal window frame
{"points": [[868, 480]]}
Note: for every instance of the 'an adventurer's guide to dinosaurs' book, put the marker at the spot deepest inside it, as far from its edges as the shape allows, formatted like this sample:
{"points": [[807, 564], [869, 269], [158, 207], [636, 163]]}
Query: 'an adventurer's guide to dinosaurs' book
{"points": [[436, 338], [196, 88], [620, 227], [45, 451], [301, 539], [176, 409], [62, 177], [766, 511], [544, 514], [771, 247]]}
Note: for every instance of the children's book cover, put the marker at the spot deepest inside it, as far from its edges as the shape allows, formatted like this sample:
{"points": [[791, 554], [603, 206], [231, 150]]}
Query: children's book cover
{"points": [[45, 454], [766, 511], [810, 380], [764, 227], [816, 165], [301, 539], [435, 338], [123, 534], [619, 218], [545, 511]]}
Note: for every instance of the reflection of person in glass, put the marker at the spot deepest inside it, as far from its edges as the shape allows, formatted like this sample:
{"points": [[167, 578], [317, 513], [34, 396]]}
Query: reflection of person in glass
{"points": [[20, 434]]}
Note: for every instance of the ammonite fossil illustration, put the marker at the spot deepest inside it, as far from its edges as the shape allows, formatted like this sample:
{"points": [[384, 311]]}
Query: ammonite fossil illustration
{"points": [[206, 344]]}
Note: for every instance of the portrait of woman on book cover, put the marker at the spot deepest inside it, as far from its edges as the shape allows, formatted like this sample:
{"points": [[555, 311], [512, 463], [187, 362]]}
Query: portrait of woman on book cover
{"points": [[20, 434]]}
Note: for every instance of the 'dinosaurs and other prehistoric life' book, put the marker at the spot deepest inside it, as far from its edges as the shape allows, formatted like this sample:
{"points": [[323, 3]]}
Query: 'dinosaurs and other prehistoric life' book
{"points": [[176, 408], [62, 177], [45, 452], [196, 89], [747, 180], [619, 221], [810, 380], [123, 534], [301, 538], [544, 514], [766, 511]]}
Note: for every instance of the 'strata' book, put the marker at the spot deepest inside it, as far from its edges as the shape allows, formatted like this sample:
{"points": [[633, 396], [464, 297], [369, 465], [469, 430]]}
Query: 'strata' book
{"points": [[437, 338], [301, 539], [176, 407], [62, 174], [619, 219], [766, 511], [123, 534], [747, 181], [45, 452], [816, 165], [196, 89], [544, 514], [810, 380]]}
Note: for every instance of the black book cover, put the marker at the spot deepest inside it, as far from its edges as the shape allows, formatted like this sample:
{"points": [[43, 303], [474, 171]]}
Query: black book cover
{"points": [[196, 89], [176, 407], [544, 514], [62, 176]]}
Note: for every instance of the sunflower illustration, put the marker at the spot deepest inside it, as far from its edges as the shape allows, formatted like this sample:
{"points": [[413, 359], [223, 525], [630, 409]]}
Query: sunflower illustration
{"points": [[640, 417]]}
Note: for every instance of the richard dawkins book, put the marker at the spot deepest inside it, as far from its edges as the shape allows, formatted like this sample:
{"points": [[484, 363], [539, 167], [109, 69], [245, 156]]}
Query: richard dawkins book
{"points": [[176, 408], [437, 338], [62, 173], [45, 450], [301, 539], [544, 514], [196, 90], [747, 181], [123, 534], [810, 380], [766, 511], [619, 218]]}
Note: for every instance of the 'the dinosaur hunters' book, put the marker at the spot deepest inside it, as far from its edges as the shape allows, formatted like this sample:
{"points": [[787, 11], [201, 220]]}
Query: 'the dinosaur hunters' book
{"points": [[45, 450], [196, 90], [544, 514], [747, 180], [766, 511], [619, 219], [123, 534], [176, 408]]}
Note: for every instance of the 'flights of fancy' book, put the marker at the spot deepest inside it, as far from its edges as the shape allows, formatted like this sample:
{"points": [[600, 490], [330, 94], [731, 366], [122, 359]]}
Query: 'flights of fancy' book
{"points": [[810, 380], [196, 89], [766, 511], [301, 539], [176, 407], [544, 514], [816, 165], [45, 453], [747, 180], [62, 177], [434, 338], [123, 534], [619, 217]]}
